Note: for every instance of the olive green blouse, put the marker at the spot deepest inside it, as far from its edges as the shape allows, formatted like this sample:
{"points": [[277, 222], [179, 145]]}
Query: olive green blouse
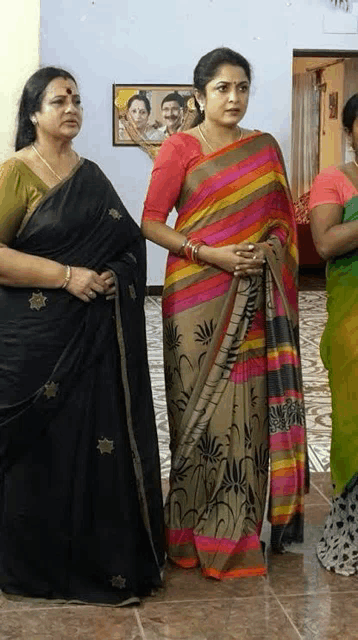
{"points": [[21, 190]]}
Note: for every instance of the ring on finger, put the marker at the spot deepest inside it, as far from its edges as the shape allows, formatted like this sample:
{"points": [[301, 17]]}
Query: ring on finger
{"points": [[91, 294]]}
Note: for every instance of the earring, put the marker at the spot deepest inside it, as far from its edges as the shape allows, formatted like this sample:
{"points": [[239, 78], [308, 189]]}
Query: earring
{"points": [[33, 120], [201, 107]]}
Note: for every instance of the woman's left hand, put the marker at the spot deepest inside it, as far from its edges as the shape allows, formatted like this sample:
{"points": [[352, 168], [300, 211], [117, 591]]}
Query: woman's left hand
{"points": [[108, 279], [250, 262]]}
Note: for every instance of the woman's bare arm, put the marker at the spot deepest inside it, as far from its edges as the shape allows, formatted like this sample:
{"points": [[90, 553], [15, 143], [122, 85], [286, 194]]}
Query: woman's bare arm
{"points": [[18, 269], [330, 236]]}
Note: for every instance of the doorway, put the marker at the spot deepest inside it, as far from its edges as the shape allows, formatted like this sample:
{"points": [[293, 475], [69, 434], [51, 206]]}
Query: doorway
{"points": [[322, 82]]}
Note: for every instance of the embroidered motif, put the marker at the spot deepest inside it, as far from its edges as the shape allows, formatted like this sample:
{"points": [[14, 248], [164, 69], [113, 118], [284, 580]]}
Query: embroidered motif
{"points": [[37, 301], [131, 255], [115, 214], [119, 582], [132, 292], [51, 389], [105, 446]]}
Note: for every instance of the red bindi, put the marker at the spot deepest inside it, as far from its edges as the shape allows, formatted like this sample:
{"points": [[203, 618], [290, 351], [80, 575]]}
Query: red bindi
{"points": [[69, 91]]}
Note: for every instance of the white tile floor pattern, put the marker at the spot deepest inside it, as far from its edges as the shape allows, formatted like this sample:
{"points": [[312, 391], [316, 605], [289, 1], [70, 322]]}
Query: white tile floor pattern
{"points": [[312, 305]]}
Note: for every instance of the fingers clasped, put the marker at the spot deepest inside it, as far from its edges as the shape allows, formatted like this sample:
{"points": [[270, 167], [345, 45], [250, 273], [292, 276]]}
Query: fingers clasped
{"points": [[109, 282], [251, 260], [87, 284]]}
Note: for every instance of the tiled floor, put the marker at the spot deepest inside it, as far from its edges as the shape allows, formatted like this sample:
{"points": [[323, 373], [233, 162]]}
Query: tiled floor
{"points": [[298, 599]]}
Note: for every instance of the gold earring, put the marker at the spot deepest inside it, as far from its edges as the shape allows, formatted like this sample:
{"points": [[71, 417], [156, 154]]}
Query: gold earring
{"points": [[33, 120]]}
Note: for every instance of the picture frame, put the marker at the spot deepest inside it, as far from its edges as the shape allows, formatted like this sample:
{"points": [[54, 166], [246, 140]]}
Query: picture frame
{"points": [[132, 125]]}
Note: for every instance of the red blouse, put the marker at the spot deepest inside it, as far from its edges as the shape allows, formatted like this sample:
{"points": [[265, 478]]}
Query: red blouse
{"points": [[177, 155]]}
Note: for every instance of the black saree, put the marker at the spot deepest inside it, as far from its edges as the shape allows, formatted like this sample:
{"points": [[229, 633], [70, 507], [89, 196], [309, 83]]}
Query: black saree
{"points": [[81, 501]]}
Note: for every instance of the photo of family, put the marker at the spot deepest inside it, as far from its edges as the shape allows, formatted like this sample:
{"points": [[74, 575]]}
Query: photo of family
{"points": [[149, 113]]}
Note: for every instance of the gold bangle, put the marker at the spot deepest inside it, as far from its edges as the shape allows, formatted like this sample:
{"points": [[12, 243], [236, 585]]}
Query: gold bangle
{"points": [[196, 249], [67, 277]]}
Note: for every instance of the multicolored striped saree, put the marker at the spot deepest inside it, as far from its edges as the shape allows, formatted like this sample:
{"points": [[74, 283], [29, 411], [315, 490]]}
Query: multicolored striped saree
{"points": [[232, 368]]}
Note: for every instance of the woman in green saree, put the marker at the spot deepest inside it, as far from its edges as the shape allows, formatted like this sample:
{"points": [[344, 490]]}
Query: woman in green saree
{"points": [[334, 223]]}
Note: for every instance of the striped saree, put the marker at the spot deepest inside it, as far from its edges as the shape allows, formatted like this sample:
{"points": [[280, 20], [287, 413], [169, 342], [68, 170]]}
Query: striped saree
{"points": [[232, 368]]}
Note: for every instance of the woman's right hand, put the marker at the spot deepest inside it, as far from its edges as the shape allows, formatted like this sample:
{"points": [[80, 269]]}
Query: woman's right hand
{"points": [[242, 259], [85, 284]]}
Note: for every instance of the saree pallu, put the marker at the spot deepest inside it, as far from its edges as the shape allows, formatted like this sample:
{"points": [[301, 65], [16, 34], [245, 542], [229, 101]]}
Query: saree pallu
{"points": [[232, 369], [339, 353], [81, 502]]}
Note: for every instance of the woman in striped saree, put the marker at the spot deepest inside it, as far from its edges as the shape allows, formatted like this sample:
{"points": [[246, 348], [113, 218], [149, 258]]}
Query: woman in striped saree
{"points": [[232, 368]]}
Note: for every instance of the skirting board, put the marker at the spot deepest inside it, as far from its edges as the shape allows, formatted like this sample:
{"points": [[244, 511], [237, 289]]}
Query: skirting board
{"points": [[154, 290]]}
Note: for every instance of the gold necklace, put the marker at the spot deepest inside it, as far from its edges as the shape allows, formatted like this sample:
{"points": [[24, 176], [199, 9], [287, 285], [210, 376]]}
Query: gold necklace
{"points": [[209, 145], [356, 163], [46, 163]]}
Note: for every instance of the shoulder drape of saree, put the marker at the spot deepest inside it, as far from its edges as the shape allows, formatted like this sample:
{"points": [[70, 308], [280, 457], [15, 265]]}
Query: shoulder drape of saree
{"points": [[130, 278]]}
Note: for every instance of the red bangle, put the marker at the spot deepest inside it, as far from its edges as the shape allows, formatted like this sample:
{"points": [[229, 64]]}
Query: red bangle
{"points": [[188, 249], [191, 249]]}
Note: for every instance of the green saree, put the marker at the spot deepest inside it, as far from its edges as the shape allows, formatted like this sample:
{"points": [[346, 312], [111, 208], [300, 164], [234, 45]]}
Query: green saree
{"points": [[337, 550], [339, 353]]}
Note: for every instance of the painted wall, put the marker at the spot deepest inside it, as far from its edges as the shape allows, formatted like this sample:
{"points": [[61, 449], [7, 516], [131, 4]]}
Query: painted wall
{"points": [[19, 53], [331, 129], [107, 41]]}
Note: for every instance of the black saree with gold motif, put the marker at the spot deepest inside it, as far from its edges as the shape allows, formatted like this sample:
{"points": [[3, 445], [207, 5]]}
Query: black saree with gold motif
{"points": [[81, 502]]}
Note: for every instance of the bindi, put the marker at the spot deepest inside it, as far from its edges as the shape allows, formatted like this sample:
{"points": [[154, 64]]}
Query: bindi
{"points": [[69, 91]]}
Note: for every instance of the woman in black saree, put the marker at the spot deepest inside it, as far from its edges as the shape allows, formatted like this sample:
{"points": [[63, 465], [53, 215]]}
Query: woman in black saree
{"points": [[81, 502]]}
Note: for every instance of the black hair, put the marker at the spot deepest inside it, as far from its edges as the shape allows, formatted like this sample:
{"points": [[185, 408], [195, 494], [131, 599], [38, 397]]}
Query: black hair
{"points": [[31, 100], [350, 113], [173, 97], [208, 66], [144, 99]]}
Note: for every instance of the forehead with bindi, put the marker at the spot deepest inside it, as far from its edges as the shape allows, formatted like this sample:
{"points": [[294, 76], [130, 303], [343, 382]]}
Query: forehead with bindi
{"points": [[138, 105], [230, 73], [61, 86]]}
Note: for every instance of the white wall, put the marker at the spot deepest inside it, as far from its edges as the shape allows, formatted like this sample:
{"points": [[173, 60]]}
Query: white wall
{"points": [[19, 55], [108, 41]]}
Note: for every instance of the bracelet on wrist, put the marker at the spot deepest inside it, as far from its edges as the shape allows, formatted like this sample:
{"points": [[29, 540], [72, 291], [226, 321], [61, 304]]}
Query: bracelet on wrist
{"points": [[67, 277], [191, 249]]}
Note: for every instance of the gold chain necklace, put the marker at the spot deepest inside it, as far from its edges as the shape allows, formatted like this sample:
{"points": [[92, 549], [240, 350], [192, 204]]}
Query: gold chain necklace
{"points": [[356, 163], [46, 163], [209, 145]]}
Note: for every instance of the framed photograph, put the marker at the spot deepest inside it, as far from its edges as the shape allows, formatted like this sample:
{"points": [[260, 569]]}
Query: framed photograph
{"points": [[148, 114], [333, 105]]}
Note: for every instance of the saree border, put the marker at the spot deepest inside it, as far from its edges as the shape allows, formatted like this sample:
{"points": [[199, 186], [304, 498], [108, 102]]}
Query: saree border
{"points": [[137, 465]]}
